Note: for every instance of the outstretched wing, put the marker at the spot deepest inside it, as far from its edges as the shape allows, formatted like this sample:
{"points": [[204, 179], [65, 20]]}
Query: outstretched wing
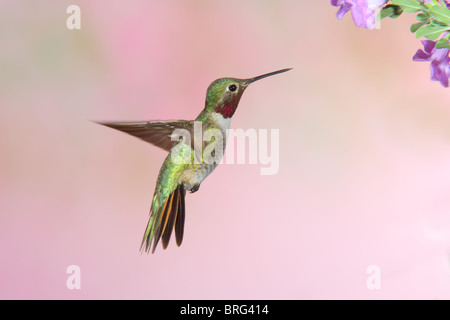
{"points": [[157, 133]]}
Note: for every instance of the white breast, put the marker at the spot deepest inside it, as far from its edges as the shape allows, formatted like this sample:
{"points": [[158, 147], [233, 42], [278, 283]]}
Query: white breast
{"points": [[194, 175], [222, 122]]}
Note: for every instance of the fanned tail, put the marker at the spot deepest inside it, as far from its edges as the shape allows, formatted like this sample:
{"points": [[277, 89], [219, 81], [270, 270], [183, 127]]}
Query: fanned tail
{"points": [[162, 222]]}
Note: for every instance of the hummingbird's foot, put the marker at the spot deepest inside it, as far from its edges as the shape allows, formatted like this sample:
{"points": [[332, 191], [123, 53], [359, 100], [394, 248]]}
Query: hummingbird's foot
{"points": [[195, 188]]}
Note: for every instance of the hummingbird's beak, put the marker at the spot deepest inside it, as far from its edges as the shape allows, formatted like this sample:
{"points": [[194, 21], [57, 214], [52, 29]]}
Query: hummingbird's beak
{"points": [[251, 80]]}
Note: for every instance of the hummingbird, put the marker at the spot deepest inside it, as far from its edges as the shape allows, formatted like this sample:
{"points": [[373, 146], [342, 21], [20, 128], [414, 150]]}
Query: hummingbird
{"points": [[167, 210]]}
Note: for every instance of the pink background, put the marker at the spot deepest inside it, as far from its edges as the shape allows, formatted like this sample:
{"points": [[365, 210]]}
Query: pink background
{"points": [[364, 173]]}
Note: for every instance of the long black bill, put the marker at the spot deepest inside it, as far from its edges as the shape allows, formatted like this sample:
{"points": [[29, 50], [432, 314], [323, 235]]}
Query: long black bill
{"points": [[267, 75]]}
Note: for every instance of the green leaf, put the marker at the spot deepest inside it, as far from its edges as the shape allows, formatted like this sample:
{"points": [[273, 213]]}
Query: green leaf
{"points": [[428, 4], [443, 43], [438, 23], [409, 5], [431, 32], [422, 17], [441, 14], [390, 11], [417, 26]]}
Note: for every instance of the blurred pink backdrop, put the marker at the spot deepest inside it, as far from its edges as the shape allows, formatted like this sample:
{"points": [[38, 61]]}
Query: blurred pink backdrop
{"points": [[364, 174]]}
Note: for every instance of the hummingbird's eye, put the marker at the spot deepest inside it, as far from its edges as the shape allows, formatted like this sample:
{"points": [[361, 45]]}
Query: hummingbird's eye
{"points": [[232, 88]]}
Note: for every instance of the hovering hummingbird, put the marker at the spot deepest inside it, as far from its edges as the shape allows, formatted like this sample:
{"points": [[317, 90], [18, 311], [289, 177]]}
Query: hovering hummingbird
{"points": [[174, 178]]}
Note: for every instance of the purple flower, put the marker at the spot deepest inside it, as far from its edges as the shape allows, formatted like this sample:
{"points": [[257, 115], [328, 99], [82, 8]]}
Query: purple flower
{"points": [[440, 61], [363, 11], [447, 3]]}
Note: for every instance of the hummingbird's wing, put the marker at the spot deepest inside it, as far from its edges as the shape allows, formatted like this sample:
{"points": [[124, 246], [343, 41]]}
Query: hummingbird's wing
{"points": [[158, 133], [163, 220]]}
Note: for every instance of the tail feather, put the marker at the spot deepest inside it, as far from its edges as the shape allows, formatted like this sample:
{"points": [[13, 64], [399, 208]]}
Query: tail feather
{"points": [[172, 216], [179, 221], [161, 223], [164, 217]]}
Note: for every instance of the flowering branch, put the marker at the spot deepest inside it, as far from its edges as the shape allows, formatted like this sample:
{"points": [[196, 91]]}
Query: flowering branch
{"points": [[433, 25]]}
